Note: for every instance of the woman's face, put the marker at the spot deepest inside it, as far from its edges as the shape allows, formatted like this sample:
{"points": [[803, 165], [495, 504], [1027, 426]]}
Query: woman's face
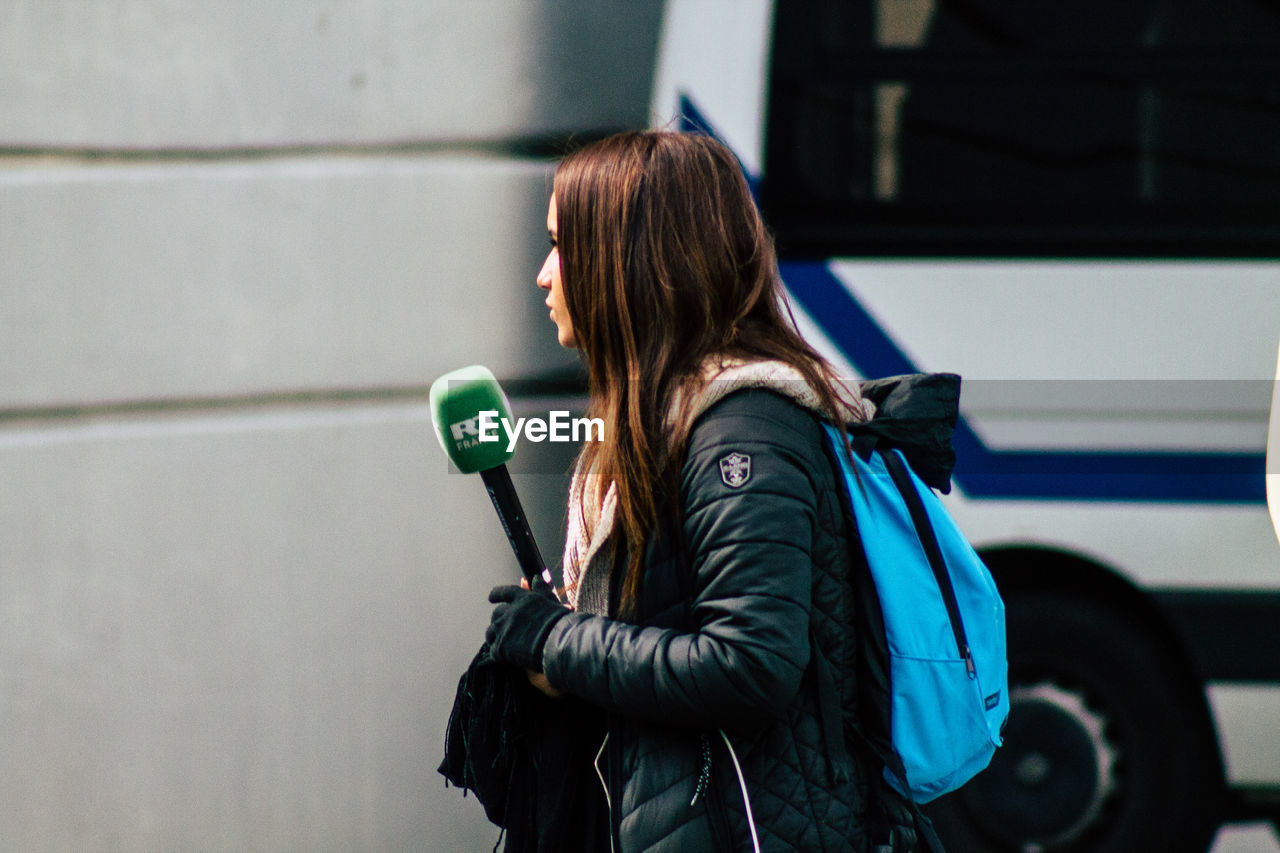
{"points": [[549, 280]]}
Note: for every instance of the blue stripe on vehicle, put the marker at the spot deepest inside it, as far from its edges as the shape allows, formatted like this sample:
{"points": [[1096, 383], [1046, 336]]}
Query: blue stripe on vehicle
{"points": [[691, 120], [1028, 474], [981, 472]]}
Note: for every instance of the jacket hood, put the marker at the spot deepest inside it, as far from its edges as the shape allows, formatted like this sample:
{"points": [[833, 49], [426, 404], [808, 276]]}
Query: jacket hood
{"points": [[915, 413], [721, 377]]}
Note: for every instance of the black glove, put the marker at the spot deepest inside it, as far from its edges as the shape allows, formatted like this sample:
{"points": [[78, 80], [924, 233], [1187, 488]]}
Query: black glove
{"points": [[521, 622]]}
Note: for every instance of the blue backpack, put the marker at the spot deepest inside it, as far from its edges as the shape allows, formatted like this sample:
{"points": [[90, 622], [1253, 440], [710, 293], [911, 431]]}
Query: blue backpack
{"points": [[943, 619]]}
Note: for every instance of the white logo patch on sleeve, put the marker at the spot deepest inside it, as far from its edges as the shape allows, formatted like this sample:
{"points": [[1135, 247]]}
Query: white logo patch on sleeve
{"points": [[735, 469]]}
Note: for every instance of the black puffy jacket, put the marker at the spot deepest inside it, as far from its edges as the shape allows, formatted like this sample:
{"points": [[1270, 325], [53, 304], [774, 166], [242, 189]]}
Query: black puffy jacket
{"points": [[727, 688]]}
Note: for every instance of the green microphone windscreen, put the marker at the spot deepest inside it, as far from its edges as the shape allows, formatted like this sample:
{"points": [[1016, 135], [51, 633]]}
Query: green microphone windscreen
{"points": [[467, 406]]}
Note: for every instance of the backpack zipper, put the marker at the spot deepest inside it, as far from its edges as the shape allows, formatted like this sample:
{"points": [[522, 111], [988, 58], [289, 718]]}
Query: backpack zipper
{"points": [[929, 541]]}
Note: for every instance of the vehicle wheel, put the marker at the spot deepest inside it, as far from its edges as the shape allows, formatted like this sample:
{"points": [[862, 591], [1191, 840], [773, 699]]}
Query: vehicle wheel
{"points": [[1108, 748]]}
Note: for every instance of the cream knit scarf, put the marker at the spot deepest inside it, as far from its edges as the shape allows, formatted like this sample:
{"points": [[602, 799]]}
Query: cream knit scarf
{"points": [[586, 578]]}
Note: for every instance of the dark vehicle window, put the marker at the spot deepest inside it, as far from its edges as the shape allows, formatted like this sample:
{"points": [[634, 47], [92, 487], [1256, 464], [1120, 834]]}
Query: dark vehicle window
{"points": [[1078, 127]]}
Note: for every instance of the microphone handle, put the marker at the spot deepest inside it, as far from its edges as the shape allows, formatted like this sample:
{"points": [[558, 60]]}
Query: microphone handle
{"points": [[505, 500]]}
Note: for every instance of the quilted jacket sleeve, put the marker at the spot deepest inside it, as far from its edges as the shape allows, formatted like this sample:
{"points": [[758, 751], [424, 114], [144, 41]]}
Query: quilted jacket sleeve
{"points": [[749, 515]]}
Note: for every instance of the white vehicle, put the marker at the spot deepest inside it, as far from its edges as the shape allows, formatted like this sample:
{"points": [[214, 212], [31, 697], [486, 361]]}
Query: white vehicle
{"points": [[1074, 207]]}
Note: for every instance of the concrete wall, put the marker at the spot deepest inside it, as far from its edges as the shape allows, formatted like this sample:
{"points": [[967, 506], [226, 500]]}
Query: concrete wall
{"points": [[237, 242], [186, 74], [131, 281]]}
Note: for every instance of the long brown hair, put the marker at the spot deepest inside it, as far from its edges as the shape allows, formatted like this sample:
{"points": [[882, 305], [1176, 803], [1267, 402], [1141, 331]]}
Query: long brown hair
{"points": [[665, 263]]}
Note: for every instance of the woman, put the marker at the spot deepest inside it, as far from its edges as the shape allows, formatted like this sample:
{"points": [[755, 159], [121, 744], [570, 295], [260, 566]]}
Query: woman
{"points": [[706, 559]]}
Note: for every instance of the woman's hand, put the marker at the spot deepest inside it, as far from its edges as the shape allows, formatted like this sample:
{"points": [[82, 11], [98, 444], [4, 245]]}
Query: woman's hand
{"points": [[519, 627], [539, 680]]}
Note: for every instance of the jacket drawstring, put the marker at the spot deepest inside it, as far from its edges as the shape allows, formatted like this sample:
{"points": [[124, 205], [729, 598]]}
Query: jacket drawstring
{"points": [[704, 774], [608, 800], [746, 797]]}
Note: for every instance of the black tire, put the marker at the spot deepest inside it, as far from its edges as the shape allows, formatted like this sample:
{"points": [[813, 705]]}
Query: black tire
{"points": [[1108, 749]]}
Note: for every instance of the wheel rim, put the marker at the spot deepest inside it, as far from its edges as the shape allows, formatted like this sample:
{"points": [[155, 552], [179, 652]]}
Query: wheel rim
{"points": [[1049, 784]]}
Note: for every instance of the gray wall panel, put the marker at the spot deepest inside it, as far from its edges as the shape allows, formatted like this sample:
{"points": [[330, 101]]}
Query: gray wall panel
{"points": [[177, 74], [128, 282], [240, 630], [237, 240]]}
